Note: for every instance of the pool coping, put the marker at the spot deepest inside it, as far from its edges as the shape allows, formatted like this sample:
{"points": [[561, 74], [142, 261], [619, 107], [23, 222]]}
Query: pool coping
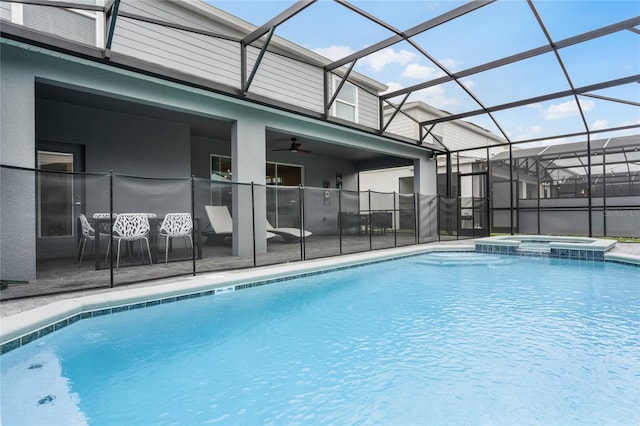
{"points": [[580, 243], [37, 322], [563, 247], [27, 326]]}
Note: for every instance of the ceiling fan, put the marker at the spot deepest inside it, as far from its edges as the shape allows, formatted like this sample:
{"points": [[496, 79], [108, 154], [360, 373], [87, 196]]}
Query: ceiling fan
{"points": [[295, 147]]}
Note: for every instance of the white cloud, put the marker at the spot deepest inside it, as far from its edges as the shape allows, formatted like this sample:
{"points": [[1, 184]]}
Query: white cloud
{"points": [[468, 83], [435, 96], [392, 87], [380, 59], [629, 123], [421, 72], [524, 133], [450, 63], [334, 52], [566, 109], [600, 124]]}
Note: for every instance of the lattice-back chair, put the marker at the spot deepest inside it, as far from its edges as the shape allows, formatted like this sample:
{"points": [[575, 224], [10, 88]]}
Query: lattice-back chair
{"points": [[176, 225], [131, 227], [88, 234], [104, 226]]}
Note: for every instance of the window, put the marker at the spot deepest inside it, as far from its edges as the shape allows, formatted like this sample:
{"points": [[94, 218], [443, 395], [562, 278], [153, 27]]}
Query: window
{"points": [[78, 25], [275, 173], [346, 103], [220, 168], [284, 174]]}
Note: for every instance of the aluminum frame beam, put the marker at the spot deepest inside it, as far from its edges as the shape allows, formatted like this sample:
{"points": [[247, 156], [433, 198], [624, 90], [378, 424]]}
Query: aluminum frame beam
{"points": [[542, 98], [283, 16], [607, 98], [432, 23], [590, 35], [268, 28], [111, 16]]}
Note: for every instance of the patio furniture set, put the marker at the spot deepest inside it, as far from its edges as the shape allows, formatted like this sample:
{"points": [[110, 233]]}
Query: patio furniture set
{"points": [[145, 228]]}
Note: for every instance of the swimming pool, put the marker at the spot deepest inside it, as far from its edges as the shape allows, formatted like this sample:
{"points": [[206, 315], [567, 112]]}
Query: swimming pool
{"points": [[440, 338]]}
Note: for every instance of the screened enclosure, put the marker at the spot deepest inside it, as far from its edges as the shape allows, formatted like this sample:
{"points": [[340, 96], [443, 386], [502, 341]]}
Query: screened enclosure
{"points": [[534, 129]]}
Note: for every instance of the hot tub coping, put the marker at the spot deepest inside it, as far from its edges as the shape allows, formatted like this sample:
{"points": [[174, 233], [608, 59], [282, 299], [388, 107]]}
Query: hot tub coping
{"points": [[554, 241]]}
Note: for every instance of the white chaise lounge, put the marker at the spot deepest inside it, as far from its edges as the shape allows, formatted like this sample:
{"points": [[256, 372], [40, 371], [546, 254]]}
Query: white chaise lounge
{"points": [[290, 235], [222, 223]]}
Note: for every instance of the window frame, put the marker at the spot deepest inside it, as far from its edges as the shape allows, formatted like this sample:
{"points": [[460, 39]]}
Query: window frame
{"points": [[17, 17], [275, 163], [334, 109]]}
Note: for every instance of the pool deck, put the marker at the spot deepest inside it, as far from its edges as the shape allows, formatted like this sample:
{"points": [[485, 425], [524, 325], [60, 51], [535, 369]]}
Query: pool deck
{"points": [[21, 314]]}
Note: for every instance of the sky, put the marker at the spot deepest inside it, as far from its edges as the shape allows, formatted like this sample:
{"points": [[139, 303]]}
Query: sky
{"points": [[492, 32]]}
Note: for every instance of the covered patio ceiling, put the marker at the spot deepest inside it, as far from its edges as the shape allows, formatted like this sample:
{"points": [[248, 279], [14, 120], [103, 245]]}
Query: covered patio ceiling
{"points": [[201, 126], [531, 72]]}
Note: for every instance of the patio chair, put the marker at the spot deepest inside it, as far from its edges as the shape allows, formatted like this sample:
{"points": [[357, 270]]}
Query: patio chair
{"points": [[131, 227], [176, 225], [88, 234], [104, 225], [289, 235], [221, 223]]}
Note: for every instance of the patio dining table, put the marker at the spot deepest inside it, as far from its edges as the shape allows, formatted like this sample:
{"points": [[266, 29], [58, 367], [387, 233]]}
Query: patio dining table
{"points": [[103, 226]]}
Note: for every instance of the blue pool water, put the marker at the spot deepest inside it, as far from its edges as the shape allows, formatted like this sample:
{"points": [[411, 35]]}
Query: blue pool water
{"points": [[440, 338]]}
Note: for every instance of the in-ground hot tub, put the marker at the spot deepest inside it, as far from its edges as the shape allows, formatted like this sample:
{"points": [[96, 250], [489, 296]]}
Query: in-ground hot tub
{"points": [[546, 245]]}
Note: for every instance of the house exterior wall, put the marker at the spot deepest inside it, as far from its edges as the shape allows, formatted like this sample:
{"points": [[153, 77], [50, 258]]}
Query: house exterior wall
{"points": [[76, 26], [23, 66], [368, 109], [405, 126], [113, 139], [5, 11], [386, 180], [402, 125], [286, 80], [170, 12], [195, 54], [280, 76], [17, 146]]}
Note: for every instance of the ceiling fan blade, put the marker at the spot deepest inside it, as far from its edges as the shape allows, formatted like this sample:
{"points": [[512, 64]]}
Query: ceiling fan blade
{"points": [[295, 147]]}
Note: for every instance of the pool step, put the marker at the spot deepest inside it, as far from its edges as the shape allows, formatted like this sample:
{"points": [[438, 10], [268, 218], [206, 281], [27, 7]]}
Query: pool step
{"points": [[534, 248]]}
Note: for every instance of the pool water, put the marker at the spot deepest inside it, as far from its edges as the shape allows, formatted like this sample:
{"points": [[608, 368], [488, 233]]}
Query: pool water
{"points": [[440, 338]]}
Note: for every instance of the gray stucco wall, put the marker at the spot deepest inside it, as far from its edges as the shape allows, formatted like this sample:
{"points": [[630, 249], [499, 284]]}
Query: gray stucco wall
{"points": [[17, 142], [123, 143]]}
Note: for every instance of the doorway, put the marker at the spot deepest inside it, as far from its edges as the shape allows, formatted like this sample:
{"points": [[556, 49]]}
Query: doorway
{"points": [[474, 205], [59, 197]]}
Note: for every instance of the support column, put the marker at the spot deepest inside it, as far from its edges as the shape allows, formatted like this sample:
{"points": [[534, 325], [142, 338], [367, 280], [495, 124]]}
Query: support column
{"points": [[17, 188], [248, 159], [425, 179]]}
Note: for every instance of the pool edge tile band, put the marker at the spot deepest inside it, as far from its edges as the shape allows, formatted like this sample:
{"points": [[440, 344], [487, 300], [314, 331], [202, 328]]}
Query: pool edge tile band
{"points": [[39, 322]]}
